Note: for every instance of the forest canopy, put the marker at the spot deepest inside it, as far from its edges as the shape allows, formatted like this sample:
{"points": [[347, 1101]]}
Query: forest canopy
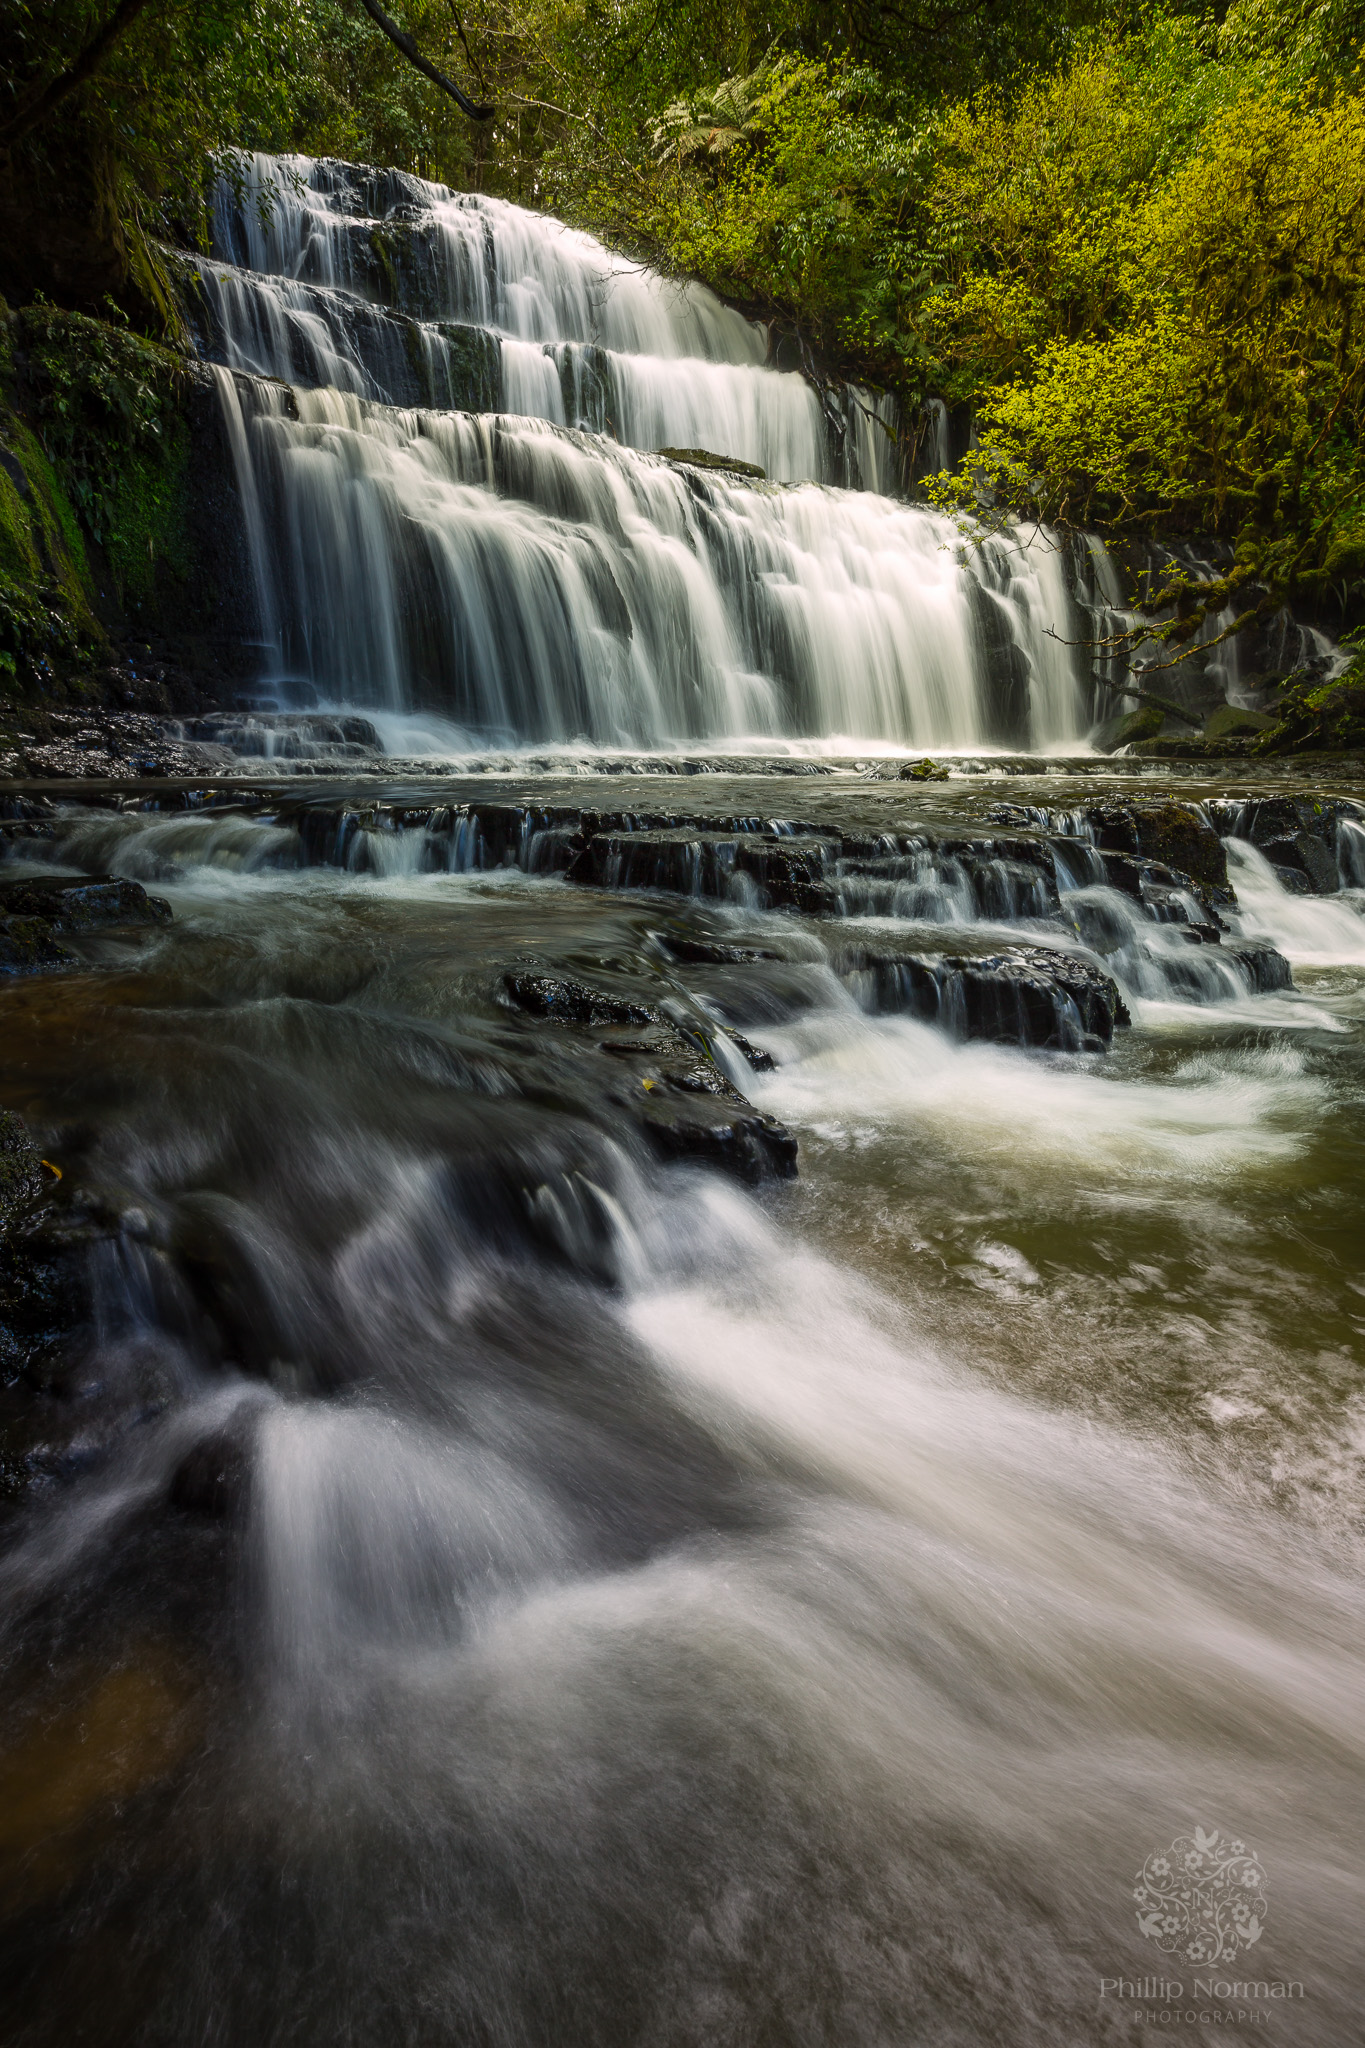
{"points": [[1127, 241]]}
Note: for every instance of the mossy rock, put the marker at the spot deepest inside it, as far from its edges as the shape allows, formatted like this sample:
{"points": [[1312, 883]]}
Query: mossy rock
{"points": [[1235, 722], [1178, 835], [706, 458], [1129, 730]]}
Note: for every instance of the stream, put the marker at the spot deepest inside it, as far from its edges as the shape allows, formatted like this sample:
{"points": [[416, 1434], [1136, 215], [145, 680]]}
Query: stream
{"points": [[494, 1569]]}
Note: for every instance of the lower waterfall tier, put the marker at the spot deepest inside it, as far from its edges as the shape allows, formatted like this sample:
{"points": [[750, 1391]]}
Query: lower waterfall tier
{"points": [[541, 584]]}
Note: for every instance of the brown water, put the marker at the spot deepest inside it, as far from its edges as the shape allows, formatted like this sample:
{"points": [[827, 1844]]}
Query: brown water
{"points": [[479, 1585]]}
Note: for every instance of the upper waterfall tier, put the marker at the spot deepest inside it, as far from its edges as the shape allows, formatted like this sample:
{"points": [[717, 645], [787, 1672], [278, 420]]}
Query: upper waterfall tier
{"points": [[397, 290], [449, 255]]}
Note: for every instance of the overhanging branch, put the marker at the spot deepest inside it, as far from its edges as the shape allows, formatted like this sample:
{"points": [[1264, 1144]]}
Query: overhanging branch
{"points": [[402, 41]]}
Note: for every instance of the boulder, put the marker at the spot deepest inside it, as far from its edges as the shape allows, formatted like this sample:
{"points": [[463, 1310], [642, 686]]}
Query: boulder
{"points": [[91, 903], [1235, 722], [1026, 995], [1177, 834], [1265, 968], [1128, 729]]}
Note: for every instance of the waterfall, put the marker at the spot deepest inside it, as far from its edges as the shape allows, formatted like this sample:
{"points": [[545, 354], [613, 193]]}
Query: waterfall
{"points": [[454, 501]]}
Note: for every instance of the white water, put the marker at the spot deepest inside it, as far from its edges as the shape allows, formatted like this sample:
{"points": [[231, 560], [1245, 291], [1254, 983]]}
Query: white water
{"points": [[544, 585], [579, 336], [530, 584]]}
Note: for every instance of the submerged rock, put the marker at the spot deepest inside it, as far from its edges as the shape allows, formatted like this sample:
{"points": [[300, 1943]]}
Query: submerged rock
{"points": [[28, 947]]}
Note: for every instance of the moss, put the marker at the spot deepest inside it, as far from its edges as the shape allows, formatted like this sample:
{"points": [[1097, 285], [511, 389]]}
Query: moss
{"points": [[108, 413], [1178, 835], [45, 595], [148, 524], [474, 367], [1317, 717]]}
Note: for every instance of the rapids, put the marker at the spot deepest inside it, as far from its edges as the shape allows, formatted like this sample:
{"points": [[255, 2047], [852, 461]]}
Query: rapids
{"points": [[483, 1576]]}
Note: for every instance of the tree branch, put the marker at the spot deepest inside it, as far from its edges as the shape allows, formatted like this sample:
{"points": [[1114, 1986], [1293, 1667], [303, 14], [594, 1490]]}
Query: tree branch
{"points": [[41, 99], [401, 40]]}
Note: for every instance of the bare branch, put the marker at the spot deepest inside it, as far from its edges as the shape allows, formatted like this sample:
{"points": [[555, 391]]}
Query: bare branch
{"points": [[402, 41]]}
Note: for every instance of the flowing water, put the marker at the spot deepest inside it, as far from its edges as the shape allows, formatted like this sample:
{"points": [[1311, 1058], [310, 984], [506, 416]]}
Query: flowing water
{"points": [[689, 1397], [454, 500], [478, 1582]]}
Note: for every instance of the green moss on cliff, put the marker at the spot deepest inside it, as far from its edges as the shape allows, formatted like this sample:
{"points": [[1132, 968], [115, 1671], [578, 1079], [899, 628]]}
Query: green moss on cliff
{"points": [[108, 413], [46, 612]]}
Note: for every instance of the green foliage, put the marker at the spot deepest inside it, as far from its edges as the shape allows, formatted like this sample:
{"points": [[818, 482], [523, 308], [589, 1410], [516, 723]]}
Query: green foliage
{"points": [[1319, 718], [1129, 235], [108, 411], [1174, 346]]}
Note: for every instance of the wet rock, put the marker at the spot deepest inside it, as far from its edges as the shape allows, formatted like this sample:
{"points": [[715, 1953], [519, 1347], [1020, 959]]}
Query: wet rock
{"points": [[28, 947], [780, 872], [762, 1062], [704, 458], [117, 745], [1177, 834], [1265, 968], [1028, 996], [91, 904], [1306, 854], [1005, 668], [744, 1141], [214, 1475], [23, 1176], [573, 1002], [711, 952], [681, 1100], [922, 771]]}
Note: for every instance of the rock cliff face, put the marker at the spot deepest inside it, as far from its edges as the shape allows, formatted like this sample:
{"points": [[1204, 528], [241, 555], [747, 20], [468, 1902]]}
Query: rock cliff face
{"points": [[124, 577]]}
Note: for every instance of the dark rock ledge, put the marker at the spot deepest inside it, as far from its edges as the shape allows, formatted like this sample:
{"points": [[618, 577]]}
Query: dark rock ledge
{"points": [[685, 1106]]}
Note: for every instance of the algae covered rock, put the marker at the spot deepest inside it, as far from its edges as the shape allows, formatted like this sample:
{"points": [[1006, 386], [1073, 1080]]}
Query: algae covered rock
{"points": [[1235, 722], [1129, 729], [706, 458], [23, 1177], [1318, 717]]}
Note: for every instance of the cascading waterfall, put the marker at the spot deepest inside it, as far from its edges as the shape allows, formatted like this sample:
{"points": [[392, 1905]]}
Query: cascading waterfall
{"points": [[458, 507]]}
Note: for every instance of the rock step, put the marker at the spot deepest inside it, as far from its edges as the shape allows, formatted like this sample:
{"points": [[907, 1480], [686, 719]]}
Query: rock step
{"points": [[35, 914], [681, 1101], [1023, 995]]}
